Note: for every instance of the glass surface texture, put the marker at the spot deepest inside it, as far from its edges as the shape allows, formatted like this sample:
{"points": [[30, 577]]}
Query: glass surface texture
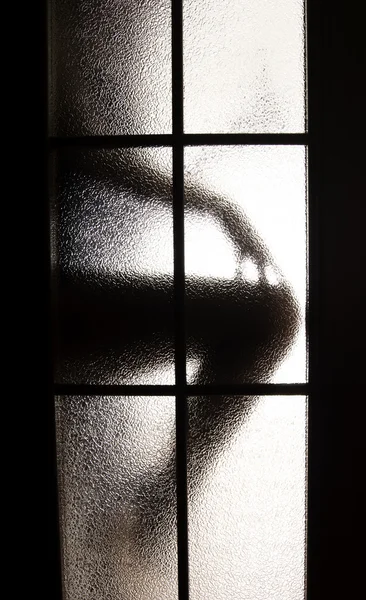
{"points": [[117, 486], [116, 501], [247, 498], [110, 67], [245, 257], [244, 66], [245, 260], [113, 266]]}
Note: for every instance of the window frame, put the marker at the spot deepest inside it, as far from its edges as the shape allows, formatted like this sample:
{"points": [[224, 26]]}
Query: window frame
{"points": [[332, 141]]}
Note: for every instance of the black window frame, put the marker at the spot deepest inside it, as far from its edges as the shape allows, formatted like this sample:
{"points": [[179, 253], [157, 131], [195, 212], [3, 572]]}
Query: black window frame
{"points": [[335, 101]]}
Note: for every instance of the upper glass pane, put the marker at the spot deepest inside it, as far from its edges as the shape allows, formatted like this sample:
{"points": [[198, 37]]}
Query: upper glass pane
{"points": [[110, 67], [244, 66]]}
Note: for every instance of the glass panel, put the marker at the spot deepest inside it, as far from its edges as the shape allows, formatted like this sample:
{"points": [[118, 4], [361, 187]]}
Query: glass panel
{"points": [[116, 462], [245, 257], [113, 266], [110, 67], [244, 66], [247, 498]]}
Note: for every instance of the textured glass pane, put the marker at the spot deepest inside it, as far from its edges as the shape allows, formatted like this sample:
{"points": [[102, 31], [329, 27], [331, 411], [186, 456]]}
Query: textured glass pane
{"points": [[116, 466], [244, 66], [110, 67], [113, 266], [245, 258], [247, 498]]}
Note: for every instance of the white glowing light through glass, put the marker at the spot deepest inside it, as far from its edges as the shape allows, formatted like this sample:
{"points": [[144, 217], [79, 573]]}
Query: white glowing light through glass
{"points": [[208, 252], [271, 275], [250, 271], [244, 66]]}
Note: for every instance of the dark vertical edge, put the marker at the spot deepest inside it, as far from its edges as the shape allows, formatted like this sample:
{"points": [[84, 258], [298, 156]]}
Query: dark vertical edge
{"points": [[307, 200], [51, 100], [180, 373], [336, 100], [308, 337], [308, 328], [179, 278], [315, 588], [305, 50], [54, 555], [177, 69], [307, 260], [182, 495], [179, 296], [306, 494]]}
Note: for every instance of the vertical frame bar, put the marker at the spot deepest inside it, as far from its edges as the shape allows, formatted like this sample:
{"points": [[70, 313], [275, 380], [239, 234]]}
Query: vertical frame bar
{"points": [[316, 405], [336, 184], [54, 554], [179, 297]]}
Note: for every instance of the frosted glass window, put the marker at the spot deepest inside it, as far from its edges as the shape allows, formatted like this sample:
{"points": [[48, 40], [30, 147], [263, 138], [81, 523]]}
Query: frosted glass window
{"points": [[114, 319], [244, 66], [112, 258], [116, 461], [245, 260], [110, 67], [247, 498]]}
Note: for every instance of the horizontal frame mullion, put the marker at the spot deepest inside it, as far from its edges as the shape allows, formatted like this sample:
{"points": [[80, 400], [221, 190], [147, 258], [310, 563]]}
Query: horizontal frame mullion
{"points": [[250, 389], [228, 139], [186, 139]]}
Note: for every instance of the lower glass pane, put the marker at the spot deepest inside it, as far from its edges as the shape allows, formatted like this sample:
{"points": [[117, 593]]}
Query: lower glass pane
{"points": [[247, 498], [246, 505], [116, 465]]}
